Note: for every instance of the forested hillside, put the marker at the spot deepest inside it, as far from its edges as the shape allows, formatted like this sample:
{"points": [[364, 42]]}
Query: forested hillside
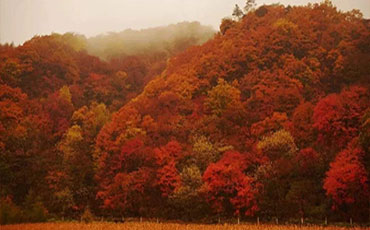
{"points": [[53, 91], [270, 118]]}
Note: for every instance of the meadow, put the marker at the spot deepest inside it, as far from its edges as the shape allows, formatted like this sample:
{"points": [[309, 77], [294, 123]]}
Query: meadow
{"points": [[160, 226]]}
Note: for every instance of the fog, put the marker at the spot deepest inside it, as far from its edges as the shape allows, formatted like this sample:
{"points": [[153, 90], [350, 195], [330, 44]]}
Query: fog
{"points": [[166, 40], [20, 20]]}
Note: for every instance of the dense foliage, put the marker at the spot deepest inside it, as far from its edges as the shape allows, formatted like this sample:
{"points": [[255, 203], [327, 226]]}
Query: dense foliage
{"points": [[270, 118]]}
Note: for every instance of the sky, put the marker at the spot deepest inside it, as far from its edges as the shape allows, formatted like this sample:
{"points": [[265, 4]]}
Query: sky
{"points": [[20, 20]]}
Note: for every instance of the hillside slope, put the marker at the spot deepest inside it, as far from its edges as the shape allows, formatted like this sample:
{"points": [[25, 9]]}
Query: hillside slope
{"points": [[269, 118], [54, 99]]}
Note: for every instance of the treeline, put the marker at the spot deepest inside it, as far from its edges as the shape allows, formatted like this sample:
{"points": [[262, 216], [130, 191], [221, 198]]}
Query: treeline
{"points": [[270, 118]]}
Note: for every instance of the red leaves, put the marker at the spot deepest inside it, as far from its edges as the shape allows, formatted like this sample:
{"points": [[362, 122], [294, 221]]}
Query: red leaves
{"points": [[337, 117], [168, 178], [246, 198], [271, 91], [267, 72], [302, 122], [125, 178], [113, 135], [126, 191], [56, 180], [12, 103], [308, 159], [226, 183], [347, 180], [269, 125]]}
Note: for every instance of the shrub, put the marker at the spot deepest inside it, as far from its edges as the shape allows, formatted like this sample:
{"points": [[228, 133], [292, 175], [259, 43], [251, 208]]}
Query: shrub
{"points": [[9, 212], [87, 216]]}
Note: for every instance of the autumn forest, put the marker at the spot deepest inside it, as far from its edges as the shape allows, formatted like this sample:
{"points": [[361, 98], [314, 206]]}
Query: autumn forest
{"points": [[268, 117]]}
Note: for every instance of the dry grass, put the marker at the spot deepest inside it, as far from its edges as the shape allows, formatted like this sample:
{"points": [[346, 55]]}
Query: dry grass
{"points": [[155, 226]]}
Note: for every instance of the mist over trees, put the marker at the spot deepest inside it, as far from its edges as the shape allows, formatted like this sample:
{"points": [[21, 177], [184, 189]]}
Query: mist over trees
{"points": [[269, 118], [166, 40]]}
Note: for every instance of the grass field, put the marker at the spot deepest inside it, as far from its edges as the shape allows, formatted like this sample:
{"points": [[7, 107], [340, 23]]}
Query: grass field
{"points": [[156, 226]]}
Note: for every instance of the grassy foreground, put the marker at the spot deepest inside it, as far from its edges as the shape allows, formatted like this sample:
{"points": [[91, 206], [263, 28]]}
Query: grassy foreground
{"points": [[156, 226]]}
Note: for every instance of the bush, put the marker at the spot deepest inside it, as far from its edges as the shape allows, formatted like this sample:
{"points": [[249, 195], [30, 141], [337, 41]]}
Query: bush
{"points": [[36, 213], [9, 212], [34, 210], [87, 216]]}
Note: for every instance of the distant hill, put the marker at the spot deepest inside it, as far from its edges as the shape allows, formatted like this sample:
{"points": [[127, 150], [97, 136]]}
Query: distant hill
{"points": [[166, 39]]}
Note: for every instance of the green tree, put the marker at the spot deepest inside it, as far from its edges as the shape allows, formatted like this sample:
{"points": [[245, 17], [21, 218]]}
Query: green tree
{"points": [[186, 198], [279, 145], [65, 94], [204, 152], [223, 98], [275, 174], [71, 144], [34, 210]]}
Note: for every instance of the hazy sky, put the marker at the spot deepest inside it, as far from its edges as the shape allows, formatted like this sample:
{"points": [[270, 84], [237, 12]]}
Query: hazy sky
{"points": [[20, 20]]}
